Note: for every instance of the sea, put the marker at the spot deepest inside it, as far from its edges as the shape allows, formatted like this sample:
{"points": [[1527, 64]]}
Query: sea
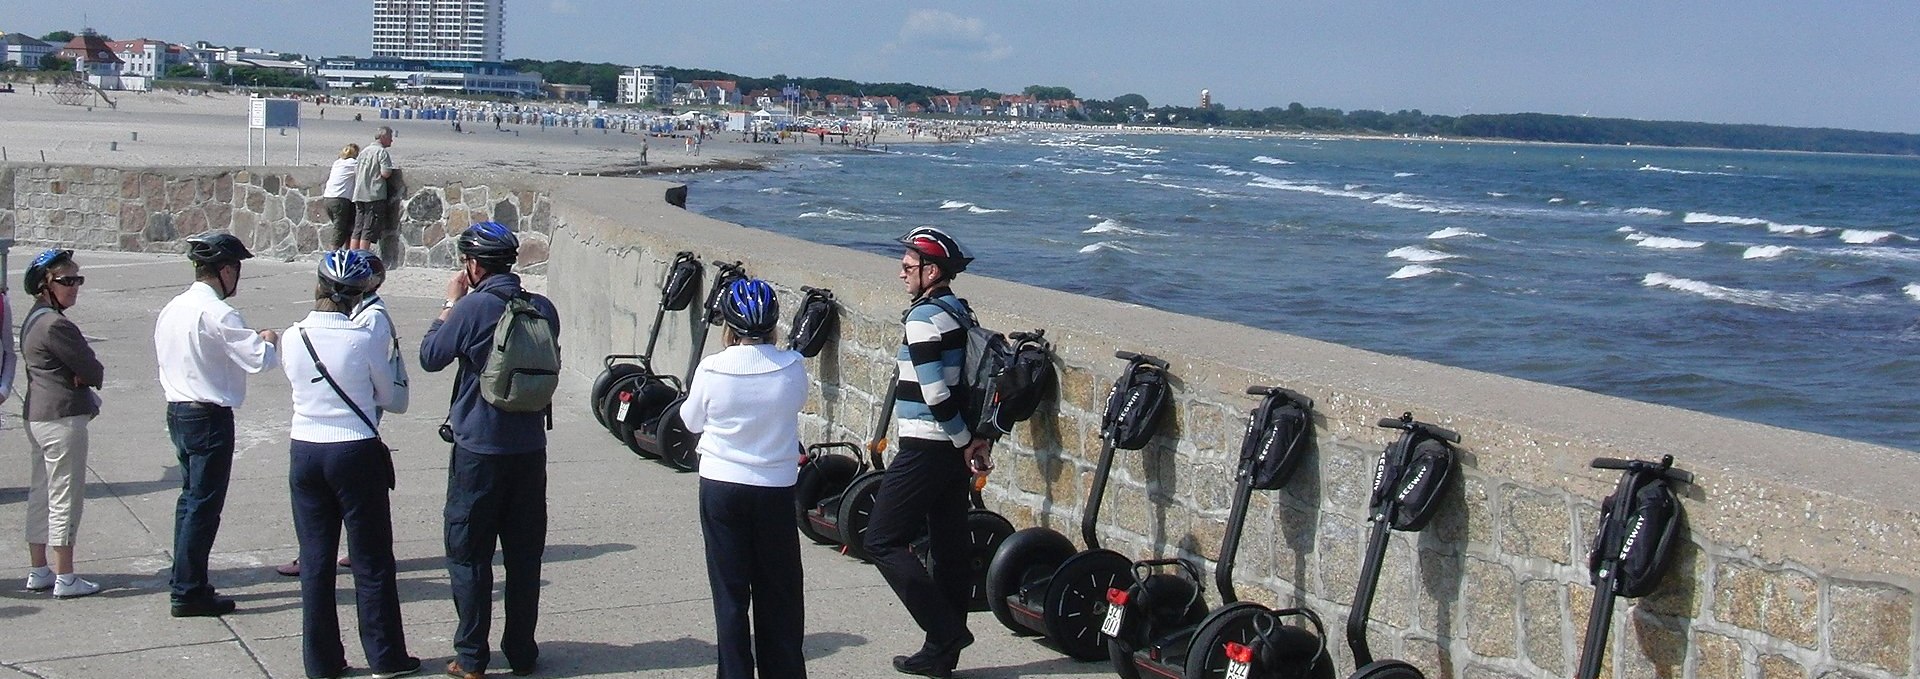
{"points": [[1781, 288]]}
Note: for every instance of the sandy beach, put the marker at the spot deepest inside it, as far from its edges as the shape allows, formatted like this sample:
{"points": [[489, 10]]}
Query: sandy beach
{"points": [[175, 129]]}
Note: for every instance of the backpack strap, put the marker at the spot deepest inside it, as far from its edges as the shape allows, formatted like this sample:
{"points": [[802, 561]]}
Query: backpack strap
{"points": [[342, 393], [965, 319]]}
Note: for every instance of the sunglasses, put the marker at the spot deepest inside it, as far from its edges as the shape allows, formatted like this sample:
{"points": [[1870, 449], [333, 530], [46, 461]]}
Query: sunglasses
{"points": [[70, 281]]}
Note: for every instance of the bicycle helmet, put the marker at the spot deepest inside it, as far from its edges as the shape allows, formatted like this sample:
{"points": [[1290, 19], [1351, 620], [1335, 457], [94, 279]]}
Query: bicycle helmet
{"points": [[490, 243], [936, 246], [751, 308], [216, 248], [345, 268], [374, 262], [37, 271]]}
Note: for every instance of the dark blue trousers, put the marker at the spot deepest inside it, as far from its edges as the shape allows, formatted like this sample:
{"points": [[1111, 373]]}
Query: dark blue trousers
{"points": [[496, 499], [925, 490], [334, 483], [203, 442], [753, 560]]}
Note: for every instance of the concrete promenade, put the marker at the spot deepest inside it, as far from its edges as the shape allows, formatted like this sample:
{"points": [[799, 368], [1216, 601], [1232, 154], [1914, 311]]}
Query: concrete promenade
{"points": [[625, 587]]}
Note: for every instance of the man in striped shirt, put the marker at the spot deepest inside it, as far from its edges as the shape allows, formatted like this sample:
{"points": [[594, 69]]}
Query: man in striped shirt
{"points": [[926, 487]]}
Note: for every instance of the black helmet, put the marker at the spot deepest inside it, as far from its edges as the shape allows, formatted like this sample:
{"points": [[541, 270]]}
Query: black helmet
{"points": [[490, 243], [37, 271], [216, 248], [936, 246], [750, 307]]}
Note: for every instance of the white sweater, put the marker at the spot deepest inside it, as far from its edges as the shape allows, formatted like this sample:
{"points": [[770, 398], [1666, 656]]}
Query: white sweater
{"points": [[355, 359], [745, 403]]}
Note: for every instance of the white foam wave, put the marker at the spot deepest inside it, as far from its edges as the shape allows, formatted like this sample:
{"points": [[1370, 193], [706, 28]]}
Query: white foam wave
{"points": [[1228, 171], [1645, 211], [1406, 174], [1266, 182], [1912, 290], [955, 205], [1710, 218], [1416, 203], [1413, 271], [1656, 168], [1195, 189], [975, 209], [1270, 160], [1626, 229], [1113, 245], [1881, 253], [1784, 301], [1076, 170], [1765, 251], [1866, 237], [775, 190], [1497, 194], [847, 216], [1115, 227], [1048, 161], [1454, 232], [1415, 253], [1664, 242], [1796, 228], [1556, 199]]}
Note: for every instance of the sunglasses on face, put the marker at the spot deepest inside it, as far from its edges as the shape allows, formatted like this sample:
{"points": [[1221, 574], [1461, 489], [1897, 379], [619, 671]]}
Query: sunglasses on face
{"points": [[70, 281]]}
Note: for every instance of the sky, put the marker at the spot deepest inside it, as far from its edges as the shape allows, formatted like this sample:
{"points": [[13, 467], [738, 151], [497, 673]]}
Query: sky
{"points": [[1850, 65]]}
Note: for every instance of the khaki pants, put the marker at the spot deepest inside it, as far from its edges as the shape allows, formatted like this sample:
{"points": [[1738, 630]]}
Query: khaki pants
{"points": [[59, 480]]}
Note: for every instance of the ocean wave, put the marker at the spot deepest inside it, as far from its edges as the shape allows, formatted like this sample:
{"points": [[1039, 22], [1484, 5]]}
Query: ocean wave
{"points": [[1415, 253], [1416, 203], [1656, 168], [1646, 211], [1556, 200], [775, 190], [1784, 301], [1414, 271], [1912, 290], [1266, 182], [1765, 251], [1136, 166], [1796, 228], [1045, 160], [1195, 189], [1076, 170], [1454, 232], [969, 207], [1497, 194], [847, 216], [1270, 160], [1114, 226], [1664, 242], [1867, 237], [1710, 218], [1109, 245], [1406, 174], [1881, 253]]}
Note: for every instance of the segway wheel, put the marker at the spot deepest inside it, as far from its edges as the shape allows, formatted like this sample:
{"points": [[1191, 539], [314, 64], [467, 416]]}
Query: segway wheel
{"points": [[986, 531], [856, 511], [1026, 556], [1120, 654], [677, 444], [608, 403], [603, 384], [1207, 653], [1076, 601], [1388, 669], [822, 477]]}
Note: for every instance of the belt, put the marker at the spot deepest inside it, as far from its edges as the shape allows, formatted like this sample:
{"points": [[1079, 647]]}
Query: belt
{"points": [[197, 405]]}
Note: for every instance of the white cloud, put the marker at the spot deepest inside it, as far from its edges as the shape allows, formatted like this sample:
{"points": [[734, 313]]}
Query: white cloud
{"points": [[562, 7], [937, 32]]}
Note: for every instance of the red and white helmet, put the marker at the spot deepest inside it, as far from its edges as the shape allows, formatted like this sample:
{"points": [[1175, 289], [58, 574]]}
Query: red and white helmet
{"points": [[936, 246]]}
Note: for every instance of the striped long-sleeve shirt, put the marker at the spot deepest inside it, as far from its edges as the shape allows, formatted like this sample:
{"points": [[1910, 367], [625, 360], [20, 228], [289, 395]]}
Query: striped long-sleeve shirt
{"points": [[931, 358]]}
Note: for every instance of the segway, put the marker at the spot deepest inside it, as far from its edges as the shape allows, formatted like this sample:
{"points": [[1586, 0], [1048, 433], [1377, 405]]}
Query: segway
{"points": [[628, 376], [1409, 483], [1037, 584], [1639, 524], [841, 518], [825, 468], [1161, 625], [665, 434]]}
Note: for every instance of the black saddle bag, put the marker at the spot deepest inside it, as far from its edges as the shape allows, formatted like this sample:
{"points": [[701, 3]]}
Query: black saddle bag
{"points": [[1277, 434], [817, 321], [1411, 480], [1640, 528], [1135, 405], [683, 282]]}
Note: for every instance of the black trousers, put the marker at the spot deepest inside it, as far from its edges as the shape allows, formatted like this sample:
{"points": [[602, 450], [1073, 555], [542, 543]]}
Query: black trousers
{"points": [[503, 499], [925, 491], [753, 560], [346, 482]]}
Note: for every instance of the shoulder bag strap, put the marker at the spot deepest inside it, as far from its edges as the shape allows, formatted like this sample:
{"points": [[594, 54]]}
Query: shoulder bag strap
{"points": [[324, 375]]}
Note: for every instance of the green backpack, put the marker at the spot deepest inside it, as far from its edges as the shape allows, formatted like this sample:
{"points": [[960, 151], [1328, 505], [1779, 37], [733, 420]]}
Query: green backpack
{"points": [[523, 367]]}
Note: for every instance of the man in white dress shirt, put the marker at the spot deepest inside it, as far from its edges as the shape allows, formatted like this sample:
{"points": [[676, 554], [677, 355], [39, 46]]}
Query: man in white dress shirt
{"points": [[205, 353]]}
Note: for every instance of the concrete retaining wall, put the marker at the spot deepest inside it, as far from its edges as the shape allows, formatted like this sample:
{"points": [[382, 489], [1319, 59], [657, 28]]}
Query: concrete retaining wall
{"points": [[1802, 560]]}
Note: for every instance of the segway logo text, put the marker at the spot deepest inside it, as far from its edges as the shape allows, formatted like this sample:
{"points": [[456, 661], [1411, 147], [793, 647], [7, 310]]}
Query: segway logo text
{"points": [[1639, 523]]}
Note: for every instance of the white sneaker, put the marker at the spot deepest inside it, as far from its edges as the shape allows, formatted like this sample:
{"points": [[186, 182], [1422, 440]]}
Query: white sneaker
{"points": [[73, 590], [40, 579]]}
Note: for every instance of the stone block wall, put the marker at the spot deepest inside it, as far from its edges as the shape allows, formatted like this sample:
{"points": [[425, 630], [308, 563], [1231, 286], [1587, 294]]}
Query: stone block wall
{"points": [[278, 212], [1802, 561]]}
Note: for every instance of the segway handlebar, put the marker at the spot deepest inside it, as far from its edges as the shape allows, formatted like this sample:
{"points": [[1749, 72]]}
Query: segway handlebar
{"points": [[730, 266], [810, 289], [1283, 392], [1143, 358], [1664, 467], [1406, 422], [609, 360], [829, 445], [1021, 336]]}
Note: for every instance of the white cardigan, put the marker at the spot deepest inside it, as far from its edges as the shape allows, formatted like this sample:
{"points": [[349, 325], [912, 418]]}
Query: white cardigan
{"points": [[745, 403]]}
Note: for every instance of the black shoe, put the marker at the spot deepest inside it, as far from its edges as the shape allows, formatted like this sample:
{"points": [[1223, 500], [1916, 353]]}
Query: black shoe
{"points": [[939, 666], [410, 666], [205, 608]]}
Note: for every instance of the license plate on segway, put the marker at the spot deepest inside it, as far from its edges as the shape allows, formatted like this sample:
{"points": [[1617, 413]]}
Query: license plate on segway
{"points": [[621, 414], [1111, 625], [1238, 670]]}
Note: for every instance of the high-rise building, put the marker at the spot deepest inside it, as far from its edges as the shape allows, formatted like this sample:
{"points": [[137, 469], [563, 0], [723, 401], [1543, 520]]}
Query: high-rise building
{"points": [[457, 30]]}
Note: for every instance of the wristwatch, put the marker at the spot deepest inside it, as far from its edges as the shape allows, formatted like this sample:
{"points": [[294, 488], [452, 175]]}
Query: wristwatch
{"points": [[447, 304]]}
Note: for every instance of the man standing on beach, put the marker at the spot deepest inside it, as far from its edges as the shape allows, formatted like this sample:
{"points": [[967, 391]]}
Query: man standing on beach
{"points": [[925, 490], [370, 192], [205, 351], [497, 480]]}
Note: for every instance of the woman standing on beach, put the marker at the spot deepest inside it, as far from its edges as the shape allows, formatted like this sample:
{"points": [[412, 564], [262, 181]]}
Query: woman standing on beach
{"points": [[745, 403], [339, 194], [61, 375]]}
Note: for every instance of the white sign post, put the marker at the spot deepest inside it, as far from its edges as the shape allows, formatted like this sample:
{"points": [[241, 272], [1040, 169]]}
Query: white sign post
{"points": [[263, 113]]}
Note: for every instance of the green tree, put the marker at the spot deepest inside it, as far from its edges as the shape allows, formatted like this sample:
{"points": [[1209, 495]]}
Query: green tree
{"points": [[58, 37], [381, 84], [53, 63], [182, 71], [1046, 92], [1131, 101]]}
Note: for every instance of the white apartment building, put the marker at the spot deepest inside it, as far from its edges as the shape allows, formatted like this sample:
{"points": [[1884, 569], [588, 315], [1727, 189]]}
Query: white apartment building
{"points": [[23, 51], [646, 86], [143, 57], [438, 30]]}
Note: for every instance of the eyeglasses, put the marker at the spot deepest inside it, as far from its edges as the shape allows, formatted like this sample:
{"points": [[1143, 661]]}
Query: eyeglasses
{"points": [[70, 281], [904, 268]]}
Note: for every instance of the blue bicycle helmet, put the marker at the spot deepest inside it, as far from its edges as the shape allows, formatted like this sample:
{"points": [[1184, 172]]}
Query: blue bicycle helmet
{"points": [[751, 308], [378, 265], [490, 243], [345, 272], [36, 279]]}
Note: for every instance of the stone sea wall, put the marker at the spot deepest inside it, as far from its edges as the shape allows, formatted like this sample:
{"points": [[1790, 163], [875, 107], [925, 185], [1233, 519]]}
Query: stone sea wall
{"points": [[1801, 562], [278, 212]]}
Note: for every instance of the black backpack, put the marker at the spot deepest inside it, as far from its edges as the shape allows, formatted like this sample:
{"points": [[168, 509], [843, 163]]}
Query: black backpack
{"points": [[1001, 382], [1278, 431], [817, 321], [1412, 477], [1135, 404], [1639, 524], [683, 282]]}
